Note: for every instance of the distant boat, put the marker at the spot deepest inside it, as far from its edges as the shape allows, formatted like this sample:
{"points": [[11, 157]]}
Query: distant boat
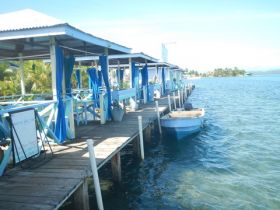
{"points": [[182, 124], [248, 74]]}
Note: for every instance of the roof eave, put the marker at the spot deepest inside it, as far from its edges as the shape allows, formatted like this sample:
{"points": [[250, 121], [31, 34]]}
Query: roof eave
{"points": [[61, 29]]}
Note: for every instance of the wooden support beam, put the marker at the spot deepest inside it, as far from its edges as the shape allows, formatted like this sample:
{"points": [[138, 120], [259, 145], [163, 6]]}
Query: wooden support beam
{"points": [[130, 72], [116, 168], [21, 71], [53, 67], [81, 200], [136, 147]]}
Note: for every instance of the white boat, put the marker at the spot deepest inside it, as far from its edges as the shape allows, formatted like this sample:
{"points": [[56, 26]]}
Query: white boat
{"points": [[182, 124]]}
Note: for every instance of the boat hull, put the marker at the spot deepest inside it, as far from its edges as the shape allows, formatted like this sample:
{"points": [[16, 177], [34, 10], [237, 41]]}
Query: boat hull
{"points": [[182, 127]]}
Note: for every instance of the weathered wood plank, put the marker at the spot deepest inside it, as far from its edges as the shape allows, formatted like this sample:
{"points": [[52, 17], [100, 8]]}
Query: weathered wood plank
{"points": [[6, 205], [52, 183]]}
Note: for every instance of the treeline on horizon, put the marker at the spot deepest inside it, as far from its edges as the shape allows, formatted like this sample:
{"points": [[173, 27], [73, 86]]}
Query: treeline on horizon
{"points": [[218, 72]]}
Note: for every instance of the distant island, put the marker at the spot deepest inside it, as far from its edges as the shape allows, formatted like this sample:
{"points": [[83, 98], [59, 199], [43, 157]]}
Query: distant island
{"points": [[219, 72]]}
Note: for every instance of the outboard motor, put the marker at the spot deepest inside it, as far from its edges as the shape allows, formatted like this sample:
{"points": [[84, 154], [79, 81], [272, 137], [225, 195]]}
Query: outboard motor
{"points": [[188, 106]]}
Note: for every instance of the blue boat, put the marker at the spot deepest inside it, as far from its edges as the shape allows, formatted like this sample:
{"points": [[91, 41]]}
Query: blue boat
{"points": [[182, 124]]}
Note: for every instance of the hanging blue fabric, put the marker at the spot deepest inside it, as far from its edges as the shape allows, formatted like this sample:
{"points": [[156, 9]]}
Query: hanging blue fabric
{"points": [[105, 74], [78, 78], [99, 79], [145, 76], [135, 78], [121, 74], [60, 126], [118, 76], [68, 70], [94, 83], [163, 80]]}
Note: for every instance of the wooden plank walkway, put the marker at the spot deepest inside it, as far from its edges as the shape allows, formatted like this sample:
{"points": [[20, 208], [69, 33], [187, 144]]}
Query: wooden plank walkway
{"points": [[50, 185]]}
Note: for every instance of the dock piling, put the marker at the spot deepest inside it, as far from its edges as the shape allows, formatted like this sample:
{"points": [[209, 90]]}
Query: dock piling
{"points": [[116, 168], [169, 103], [141, 137], [81, 198], [179, 96], [95, 174], [158, 117], [174, 99]]}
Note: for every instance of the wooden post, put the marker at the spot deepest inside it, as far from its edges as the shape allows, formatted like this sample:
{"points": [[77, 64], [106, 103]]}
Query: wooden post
{"points": [[136, 147], [102, 111], [141, 136], [116, 167], [130, 72], [179, 101], [182, 98], [169, 103], [21, 71], [158, 117], [53, 67], [145, 94], [71, 118], [81, 200], [174, 99], [95, 174]]}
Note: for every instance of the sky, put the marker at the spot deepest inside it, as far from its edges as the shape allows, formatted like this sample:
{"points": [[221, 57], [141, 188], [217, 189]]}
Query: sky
{"points": [[199, 34]]}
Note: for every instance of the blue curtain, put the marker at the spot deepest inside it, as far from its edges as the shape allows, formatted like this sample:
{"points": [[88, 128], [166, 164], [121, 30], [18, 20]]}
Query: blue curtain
{"points": [[78, 78], [145, 76], [105, 74], [163, 80], [93, 83], [60, 126], [121, 75], [68, 70], [99, 82], [118, 73], [135, 75], [144, 73]]}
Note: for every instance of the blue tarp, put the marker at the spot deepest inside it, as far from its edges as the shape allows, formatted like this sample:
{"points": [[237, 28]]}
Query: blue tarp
{"points": [[60, 127], [78, 78], [163, 80], [105, 74], [68, 70]]}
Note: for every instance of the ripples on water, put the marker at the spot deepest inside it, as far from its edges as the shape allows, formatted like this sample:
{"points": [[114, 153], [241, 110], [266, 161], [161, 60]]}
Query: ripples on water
{"points": [[234, 163]]}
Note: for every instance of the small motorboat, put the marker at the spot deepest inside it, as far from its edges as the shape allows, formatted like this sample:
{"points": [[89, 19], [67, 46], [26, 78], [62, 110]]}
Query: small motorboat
{"points": [[183, 123]]}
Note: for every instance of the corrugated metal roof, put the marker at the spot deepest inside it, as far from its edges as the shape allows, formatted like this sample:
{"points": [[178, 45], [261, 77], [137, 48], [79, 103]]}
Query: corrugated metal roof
{"points": [[26, 19]]}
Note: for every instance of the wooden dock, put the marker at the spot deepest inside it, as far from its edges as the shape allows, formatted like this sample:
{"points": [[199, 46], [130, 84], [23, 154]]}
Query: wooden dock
{"points": [[50, 185]]}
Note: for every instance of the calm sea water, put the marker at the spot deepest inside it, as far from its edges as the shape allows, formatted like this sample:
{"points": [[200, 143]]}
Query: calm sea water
{"points": [[234, 163]]}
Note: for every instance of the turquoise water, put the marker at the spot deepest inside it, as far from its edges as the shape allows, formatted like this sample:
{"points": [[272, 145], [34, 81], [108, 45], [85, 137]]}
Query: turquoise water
{"points": [[234, 163]]}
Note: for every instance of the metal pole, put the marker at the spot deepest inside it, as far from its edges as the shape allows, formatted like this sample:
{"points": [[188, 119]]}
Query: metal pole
{"points": [[174, 99], [141, 137], [169, 103], [95, 174], [158, 117]]}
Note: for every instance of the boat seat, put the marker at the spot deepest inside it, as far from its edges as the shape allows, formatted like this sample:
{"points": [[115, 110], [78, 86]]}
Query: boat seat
{"points": [[180, 114]]}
